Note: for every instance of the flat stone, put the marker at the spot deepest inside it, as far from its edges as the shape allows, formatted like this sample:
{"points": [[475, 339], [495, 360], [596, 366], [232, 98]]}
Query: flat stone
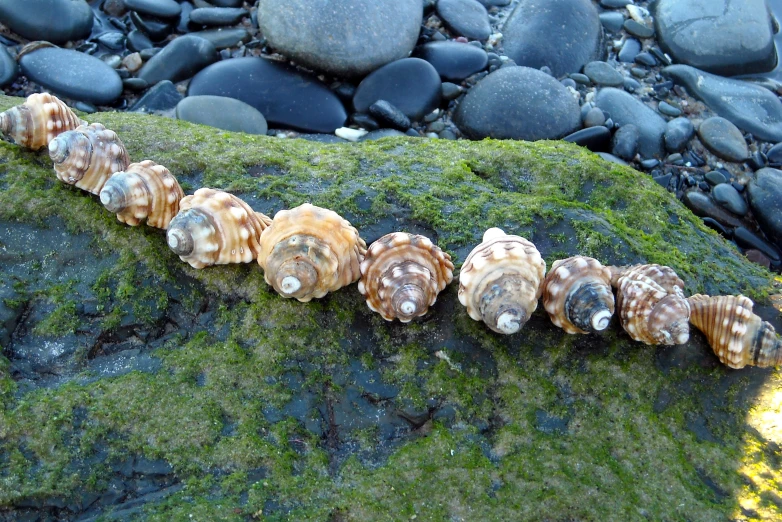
{"points": [[746, 239], [703, 205], [678, 132], [8, 67], [286, 97], [163, 96], [719, 36], [213, 16], [602, 73], [668, 109], [626, 109], [594, 117], [224, 113], [518, 103], [612, 21], [624, 143], [138, 41], [64, 20], [595, 139], [729, 197], [764, 193], [158, 8], [723, 138], [638, 29], [72, 74], [157, 30], [630, 49], [179, 60], [313, 32], [564, 35], [466, 18], [223, 38], [453, 61], [411, 85]]}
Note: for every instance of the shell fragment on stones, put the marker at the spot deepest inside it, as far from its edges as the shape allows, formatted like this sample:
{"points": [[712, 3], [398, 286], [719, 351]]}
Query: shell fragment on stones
{"points": [[36, 122], [309, 251], [501, 281], [402, 274], [215, 228]]}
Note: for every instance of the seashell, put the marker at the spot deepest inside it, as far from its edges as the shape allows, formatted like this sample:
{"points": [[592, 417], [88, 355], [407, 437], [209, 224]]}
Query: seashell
{"points": [[88, 156], [737, 335], [402, 274], [651, 304], [215, 228], [577, 295], [501, 281], [309, 251], [38, 120], [142, 191]]}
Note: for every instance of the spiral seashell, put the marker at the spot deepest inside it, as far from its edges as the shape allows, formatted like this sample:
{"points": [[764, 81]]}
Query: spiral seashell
{"points": [[215, 228], [501, 281], [402, 274], [577, 295], [737, 335], [36, 122], [88, 156], [144, 190], [651, 304], [309, 251]]}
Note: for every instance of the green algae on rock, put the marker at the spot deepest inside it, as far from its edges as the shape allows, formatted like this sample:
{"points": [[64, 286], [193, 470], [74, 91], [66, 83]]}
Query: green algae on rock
{"points": [[203, 393]]}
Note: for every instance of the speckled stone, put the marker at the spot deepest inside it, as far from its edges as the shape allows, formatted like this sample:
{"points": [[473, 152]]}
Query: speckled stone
{"points": [[723, 138]]}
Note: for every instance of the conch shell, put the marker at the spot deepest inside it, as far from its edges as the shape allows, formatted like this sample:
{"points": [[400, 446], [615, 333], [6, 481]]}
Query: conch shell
{"points": [[501, 281], [651, 303], [738, 336], [215, 228], [38, 120], [402, 274], [88, 156], [309, 251], [577, 295], [144, 190]]}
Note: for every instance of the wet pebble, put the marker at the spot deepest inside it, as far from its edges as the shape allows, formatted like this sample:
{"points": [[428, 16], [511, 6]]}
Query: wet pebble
{"points": [[594, 138], [215, 16], [624, 143], [179, 60], [466, 18], [155, 29], [678, 132], [158, 8], [746, 239], [221, 112], [638, 29], [625, 109], [64, 20], [161, 97], [703, 205], [612, 21], [764, 193], [452, 60], [594, 117], [774, 155], [723, 139], [728, 197], [629, 51], [138, 41], [384, 111], [715, 177], [8, 67], [668, 109], [602, 73], [224, 38], [412, 85]]}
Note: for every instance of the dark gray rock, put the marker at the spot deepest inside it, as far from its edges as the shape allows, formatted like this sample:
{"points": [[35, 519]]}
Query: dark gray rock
{"points": [[723, 138], [72, 74], [518, 103], [380, 133], [411, 85], [602, 73], [56, 21], [382, 110], [624, 143], [703, 205], [625, 109], [764, 192], [746, 239], [612, 21], [215, 16], [718, 36], [594, 117], [158, 8], [774, 155], [678, 132], [594, 138], [454, 61], [138, 41], [638, 29], [179, 60], [342, 38], [466, 18], [564, 35], [728, 197], [630, 49], [161, 97], [668, 109], [8, 67], [223, 113], [156, 29], [224, 38]]}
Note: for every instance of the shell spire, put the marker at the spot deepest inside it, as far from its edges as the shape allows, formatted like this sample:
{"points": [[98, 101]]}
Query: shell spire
{"points": [[402, 274], [501, 281], [40, 119], [577, 295], [143, 191], [309, 251], [651, 303], [215, 228], [738, 336]]}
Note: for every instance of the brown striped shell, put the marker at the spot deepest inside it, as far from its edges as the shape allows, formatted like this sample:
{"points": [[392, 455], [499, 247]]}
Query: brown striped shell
{"points": [[215, 228], [402, 274], [737, 335], [88, 156], [143, 191], [577, 295], [501, 281], [38, 121], [651, 304], [309, 251]]}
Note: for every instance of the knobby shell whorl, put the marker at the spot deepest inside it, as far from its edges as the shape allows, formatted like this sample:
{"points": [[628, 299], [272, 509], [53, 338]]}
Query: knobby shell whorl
{"points": [[143, 191], [309, 251], [215, 228], [738, 336], [36, 122], [402, 274], [501, 281], [577, 295], [88, 156], [651, 303]]}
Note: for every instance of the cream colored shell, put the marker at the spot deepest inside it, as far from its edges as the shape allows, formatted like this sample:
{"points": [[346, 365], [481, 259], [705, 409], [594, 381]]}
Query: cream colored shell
{"points": [[501, 281], [651, 304], [215, 228], [88, 156], [36, 122], [402, 274], [143, 191], [309, 251], [577, 295], [738, 336]]}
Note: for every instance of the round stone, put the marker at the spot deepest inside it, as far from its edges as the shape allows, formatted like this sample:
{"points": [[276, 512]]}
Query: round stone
{"points": [[594, 118], [158, 8], [728, 197], [626, 109], [668, 109], [629, 51], [466, 18], [56, 21], [624, 144], [602, 73], [723, 139], [224, 113], [678, 133], [179, 60], [454, 61], [595, 139]]}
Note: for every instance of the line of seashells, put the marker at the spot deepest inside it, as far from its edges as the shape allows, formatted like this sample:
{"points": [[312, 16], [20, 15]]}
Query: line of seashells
{"points": [[308, 251]]}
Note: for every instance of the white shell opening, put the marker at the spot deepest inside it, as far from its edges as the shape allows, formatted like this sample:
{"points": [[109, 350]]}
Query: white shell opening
{"points": [[290, 285], [105, 199], [173, 238], [54, 145], [508, 323], [408, 307], [682, 338], [601, 319]]}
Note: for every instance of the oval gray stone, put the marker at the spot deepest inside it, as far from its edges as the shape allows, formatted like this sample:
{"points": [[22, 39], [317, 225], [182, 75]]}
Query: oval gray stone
{"points": [[678, 132], [729, 197], [224, 113], [625, 109], [723, 139], [764, 192], [602, 73], [179, 60], [8, 67], [466, 18], [56, 21]]}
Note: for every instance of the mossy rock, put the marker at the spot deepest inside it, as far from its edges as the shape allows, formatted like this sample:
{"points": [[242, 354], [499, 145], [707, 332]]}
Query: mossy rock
{"points": [[132, 385]]}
